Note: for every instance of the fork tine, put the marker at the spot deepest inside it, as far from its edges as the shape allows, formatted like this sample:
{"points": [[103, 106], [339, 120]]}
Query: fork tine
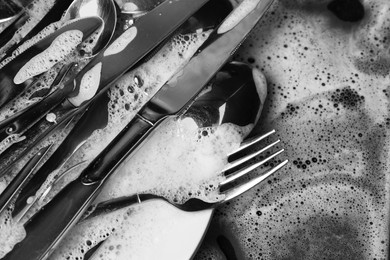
{"points": [[239, 173], [234, 192], [252, 141], [248, 157]]}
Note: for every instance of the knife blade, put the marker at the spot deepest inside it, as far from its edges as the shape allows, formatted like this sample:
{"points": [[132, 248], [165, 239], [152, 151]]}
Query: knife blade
{"points": [[46, 228], [8, 88], [123, 53]]}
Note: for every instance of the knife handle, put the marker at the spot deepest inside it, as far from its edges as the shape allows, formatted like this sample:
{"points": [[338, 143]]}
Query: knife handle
{"points": [[124, 143], [46, 228]]}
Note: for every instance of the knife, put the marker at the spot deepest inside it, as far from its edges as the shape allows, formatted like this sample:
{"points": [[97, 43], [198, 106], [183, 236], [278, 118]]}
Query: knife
{"points": [[53, 15], [46, 228], [146, 34], [8, 88]]}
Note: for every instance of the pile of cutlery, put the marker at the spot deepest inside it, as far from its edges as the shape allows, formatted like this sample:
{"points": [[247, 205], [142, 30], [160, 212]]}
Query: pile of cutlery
{"points": [[65, 106]]}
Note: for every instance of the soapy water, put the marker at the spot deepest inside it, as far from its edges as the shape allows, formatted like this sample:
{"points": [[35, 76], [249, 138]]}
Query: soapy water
{"points": [[328, 100]]}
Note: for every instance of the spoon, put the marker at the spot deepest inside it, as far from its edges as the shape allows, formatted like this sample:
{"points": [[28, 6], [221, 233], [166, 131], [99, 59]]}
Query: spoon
{"points": [[233, 89], [105, 9]]}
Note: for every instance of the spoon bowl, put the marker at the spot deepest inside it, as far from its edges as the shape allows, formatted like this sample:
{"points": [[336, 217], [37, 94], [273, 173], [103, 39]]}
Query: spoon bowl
{"points": [[104, 9]]}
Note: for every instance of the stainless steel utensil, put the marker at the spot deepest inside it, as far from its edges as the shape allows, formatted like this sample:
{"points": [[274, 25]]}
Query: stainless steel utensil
{"points": [[195, 204]]}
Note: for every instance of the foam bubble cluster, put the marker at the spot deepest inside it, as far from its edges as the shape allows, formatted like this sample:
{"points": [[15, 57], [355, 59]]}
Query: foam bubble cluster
{"points": [[10, 232]]}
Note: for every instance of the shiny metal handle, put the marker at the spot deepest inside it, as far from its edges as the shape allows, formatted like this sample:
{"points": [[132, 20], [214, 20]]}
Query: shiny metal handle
{"points": [[123, 144]]}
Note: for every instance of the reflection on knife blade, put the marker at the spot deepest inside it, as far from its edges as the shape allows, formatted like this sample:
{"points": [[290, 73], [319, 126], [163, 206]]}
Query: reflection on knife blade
{"points": [[46, 229]]}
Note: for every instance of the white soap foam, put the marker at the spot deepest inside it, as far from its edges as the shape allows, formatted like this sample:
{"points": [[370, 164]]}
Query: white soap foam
{"points": [[10, 232], [242, 10], [88, 86], [61, 46], [121, 42]]}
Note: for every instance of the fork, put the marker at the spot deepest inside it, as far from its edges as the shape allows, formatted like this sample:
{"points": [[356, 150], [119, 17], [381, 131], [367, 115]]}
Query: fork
{"points": [[195, 204]]}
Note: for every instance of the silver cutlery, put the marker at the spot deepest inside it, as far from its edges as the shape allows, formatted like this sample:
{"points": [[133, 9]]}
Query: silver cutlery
{"points": [[96, 118], [49, 225], [64, 210]]}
